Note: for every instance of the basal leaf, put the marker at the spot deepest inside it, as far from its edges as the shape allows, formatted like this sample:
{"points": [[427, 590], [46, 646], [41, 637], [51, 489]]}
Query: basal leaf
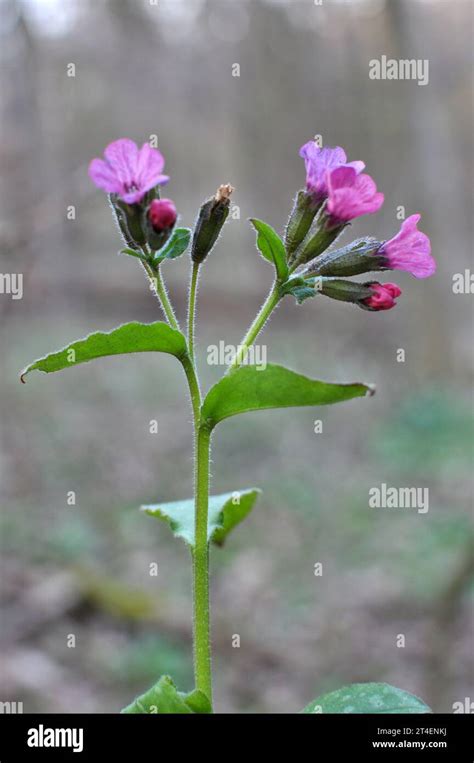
{"points": [[175, 246], [163, 697], [131, 337], [367, 698], [271, 247], [225, 512], [252, 388]]}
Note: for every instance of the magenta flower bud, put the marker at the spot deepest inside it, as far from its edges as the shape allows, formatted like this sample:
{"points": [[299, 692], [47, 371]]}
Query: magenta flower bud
{"points": [[409, 250], [127, 171], [318, 162], [383, 296], [350, 195], [162, 214], [370, 295]]}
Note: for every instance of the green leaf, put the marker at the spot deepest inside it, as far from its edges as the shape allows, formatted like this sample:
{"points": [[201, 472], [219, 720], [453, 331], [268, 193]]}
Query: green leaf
{"points": [[131, 337], [163, 697], [367, 698], [252, 388], [175, 246], [271, 247], [225, 512], [197, 701]]}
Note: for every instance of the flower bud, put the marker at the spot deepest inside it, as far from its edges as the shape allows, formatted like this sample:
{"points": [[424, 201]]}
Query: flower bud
{"points": [[299, 223], [369, 296], [162, 214], [360, 256], [383, 296], [211, 218], [159, 220]]}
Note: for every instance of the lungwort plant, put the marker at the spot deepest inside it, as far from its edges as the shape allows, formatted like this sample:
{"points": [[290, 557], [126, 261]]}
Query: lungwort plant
{"points": [[306, 265]]}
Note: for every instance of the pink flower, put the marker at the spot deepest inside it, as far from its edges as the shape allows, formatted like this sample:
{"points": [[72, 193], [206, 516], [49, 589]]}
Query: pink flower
{"points": [[128, 171], [318, 161], [350, 194], [409, 250], [383, 296], [162, 214]]}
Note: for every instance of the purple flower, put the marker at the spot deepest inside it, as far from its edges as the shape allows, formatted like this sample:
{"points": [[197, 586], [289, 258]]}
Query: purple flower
{"points": [[350, 194], [318, 161], [409, 250], [128, 171]]}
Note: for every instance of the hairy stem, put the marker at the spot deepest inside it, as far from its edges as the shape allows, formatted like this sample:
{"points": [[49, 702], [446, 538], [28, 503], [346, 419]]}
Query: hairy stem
{"points": [[200, 555], [154, 274], [258, 324], [202, 645], [192, 307]]}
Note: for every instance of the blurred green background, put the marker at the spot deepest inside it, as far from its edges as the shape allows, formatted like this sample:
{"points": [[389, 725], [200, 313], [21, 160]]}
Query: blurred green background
{"points": [[165, 69]]}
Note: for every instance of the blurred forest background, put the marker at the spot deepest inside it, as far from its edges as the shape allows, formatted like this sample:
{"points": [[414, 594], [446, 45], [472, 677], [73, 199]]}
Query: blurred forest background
{"points": [[143, 69]]}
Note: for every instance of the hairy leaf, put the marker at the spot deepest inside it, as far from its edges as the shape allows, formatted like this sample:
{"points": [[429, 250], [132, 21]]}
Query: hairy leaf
{"points": [[250, 388], [367, 698], [225, 512], [163, 697], [271, 247], [131, 337], [175, 246]]}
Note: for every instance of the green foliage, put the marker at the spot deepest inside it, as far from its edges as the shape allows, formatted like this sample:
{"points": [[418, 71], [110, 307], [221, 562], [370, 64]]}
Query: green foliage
{"points": [[249, 388], [367, 698], [131, 337], [225, 512], [271, 247], [164, 697], [174, 247]]}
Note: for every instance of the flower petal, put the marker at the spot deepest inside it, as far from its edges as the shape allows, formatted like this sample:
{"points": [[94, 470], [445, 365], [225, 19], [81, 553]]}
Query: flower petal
{"points": [[149, 168], [104, 177], [122, 155], [410, 250]]}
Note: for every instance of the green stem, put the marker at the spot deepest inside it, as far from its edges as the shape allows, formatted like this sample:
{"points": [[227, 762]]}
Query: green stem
{"points": [[200, 556], [194, 391], [154, 274], [258, 324], [202, 645], [192, 307]]}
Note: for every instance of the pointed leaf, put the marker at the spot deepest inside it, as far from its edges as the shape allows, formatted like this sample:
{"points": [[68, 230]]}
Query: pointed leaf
{"points": [[225, 512], [271, 247], [131, 337], [163, 697], [252, 388], [367, 698], [175, 246]]}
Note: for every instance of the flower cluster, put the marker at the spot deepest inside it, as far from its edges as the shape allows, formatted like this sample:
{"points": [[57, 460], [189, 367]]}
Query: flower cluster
{"points": [[336, 193], [132, 177]]}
